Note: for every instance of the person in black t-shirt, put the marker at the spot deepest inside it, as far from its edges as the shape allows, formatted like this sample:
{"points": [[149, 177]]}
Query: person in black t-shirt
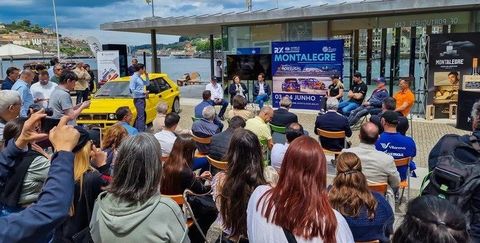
{"points": [[356, 94], [335, 89]]}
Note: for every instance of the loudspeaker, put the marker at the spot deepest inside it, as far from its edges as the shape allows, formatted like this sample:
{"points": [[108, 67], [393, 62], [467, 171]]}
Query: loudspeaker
{"points": [[122, 51], [464, 109]]}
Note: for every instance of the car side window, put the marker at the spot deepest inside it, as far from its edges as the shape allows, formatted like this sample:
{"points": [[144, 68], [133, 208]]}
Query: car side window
{"points": [[163, 84], [153, 87]]}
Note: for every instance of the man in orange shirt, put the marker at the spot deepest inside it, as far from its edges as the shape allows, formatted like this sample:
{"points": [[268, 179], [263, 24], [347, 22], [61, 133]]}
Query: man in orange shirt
{"points": [[404, 97]]}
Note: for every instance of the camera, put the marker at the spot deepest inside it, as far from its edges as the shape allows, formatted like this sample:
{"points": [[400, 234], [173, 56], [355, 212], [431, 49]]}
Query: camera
{"points": [[47, 123], [37, 107]]}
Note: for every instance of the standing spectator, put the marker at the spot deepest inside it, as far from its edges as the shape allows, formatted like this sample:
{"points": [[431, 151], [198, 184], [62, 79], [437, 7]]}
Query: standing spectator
{"points": [[132, 205], [368, 214], [12, 75], [293, 131], [43, 89], [206, 102], [332, 121], [298, 206], [237, 88], [38, 69], [219, 72], [389, 104], [377, 166], [88, 184], [232, 189], [179, 176], [131, 68], [282, 116], [404, 97], [239, 104], [93, 82], [158, 123], [216, 97], [137, 87], [431, 219], [220, 141], [356, 95], [395, 144], [81, 86], [10, 105], [261, 90], [57, 72], [335, 90], [53, 62], [124, 117], [258, 125], [22, 85], [372, 105], [61, 102], [166, 137]]}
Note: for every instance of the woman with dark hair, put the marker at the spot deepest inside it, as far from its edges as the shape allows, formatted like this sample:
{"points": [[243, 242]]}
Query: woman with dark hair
{"points": [[368, 214], [132, 209], [232, 189], [237, 88], [179, 176], [299, 203], [239, 104], [430, 219]]}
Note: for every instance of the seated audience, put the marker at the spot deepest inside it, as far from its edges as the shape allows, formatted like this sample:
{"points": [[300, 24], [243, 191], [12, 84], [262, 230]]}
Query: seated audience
{"points": [[232, 189], [166, 137], [332, 121], [431, 219], [261, 90], [395, 144], [133, 204], [159, 122], [389, 104], [205, 127], [404, 97], [377, 166], [201, 106], [178, 176], [221, 141], [368, 214], [112, 140], [239, 104], [36, 222], [259, 126], [282, 117], [237, 88], [293, 131], [298, 206], [88, 184], [26, 180], [10, 104], [124, 118], [372, 105], [356, 95], [217, 96]]}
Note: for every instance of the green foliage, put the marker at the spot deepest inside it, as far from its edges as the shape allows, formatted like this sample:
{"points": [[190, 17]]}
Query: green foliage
{"points": [[203, 45]]}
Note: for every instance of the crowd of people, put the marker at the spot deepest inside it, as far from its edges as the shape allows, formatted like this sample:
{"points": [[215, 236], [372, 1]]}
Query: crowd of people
{"points": [[274, 187]]}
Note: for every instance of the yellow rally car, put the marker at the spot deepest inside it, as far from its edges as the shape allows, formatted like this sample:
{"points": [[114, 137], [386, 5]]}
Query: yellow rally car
{"points": [[116, 93]]}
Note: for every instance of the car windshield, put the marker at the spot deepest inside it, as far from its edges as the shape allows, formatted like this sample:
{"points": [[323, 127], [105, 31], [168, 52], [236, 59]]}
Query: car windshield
{"points": [[114, 89]]}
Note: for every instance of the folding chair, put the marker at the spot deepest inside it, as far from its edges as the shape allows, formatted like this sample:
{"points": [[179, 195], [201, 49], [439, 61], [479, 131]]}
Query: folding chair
{"points": [[378, 187], [334, 135], [194, 119], [265, 151], [200, 140], [221, 165], [405, 183], [278, 129]]}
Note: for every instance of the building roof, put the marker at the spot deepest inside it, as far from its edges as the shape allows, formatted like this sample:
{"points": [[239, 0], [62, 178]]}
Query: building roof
{"points": [[203, 25]]}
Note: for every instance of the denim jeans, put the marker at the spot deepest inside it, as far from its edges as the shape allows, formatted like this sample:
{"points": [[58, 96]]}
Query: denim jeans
{"points": [[141, 117], [222, 103], [346, 107], [200, 163], [260, 99]]}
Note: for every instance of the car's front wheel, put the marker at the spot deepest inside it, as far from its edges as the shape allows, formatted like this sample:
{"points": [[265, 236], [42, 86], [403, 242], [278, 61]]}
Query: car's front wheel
{"points": [[176, 105]]}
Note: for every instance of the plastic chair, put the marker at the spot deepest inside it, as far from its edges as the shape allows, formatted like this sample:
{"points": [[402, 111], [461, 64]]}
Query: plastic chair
{"points": [[334, 135], [221, 165], [206, 141], [278, 129], [194, 119], [378, 187], [180, 200], [265, 151], [405, 183]]}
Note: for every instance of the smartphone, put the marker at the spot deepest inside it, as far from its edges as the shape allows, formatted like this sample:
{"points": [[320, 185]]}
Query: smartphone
{"points": [[48, 123]]}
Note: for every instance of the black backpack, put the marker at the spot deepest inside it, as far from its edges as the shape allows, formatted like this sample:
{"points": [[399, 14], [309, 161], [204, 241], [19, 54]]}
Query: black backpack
{"points": [[455, 174]]}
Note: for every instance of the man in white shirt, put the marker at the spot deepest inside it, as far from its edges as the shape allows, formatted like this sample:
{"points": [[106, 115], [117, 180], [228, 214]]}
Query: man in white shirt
{"points": [[217, 96], [166, 137], [42, 89], [294, 130]]}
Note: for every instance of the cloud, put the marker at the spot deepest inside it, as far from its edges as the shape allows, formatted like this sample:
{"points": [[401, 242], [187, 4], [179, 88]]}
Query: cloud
{"points": [[16, 3]]}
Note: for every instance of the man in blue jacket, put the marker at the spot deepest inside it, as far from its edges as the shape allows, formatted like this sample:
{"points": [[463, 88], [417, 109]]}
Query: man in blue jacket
{"points": [[36, 222], [373, 105]]}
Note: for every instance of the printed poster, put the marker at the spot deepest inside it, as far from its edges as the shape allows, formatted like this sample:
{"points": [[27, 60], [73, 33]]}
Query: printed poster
{"points": [[108, 66]]}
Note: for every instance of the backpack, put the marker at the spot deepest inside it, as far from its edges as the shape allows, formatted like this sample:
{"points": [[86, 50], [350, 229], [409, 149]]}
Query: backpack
{"points": [[455, 174]]}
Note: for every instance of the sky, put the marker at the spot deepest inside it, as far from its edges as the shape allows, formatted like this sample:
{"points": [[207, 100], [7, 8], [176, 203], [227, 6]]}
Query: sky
{"points": [[82, 18]]}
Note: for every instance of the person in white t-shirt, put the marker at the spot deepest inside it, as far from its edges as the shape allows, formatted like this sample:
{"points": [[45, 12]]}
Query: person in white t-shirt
{"points": [[297, 209], [42, 89], [217, 96], [166, 137]]}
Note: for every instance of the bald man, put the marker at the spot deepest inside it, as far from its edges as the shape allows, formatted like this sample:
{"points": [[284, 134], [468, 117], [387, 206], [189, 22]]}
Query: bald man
{"points": [[22, 86], [259, 126]]}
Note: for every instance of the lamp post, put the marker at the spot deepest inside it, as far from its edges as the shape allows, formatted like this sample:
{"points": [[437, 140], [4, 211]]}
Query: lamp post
{"points": [[153, 8], [56, 29]]}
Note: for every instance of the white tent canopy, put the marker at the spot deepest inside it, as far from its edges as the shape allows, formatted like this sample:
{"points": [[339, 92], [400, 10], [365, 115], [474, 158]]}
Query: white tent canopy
{"points": [[11, 51]]}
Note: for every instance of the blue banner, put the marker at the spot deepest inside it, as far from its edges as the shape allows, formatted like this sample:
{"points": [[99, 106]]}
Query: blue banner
{"points": [[303, 69]]}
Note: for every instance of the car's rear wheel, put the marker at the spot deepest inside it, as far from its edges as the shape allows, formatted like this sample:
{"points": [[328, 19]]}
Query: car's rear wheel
{"points": [[176, 105]]}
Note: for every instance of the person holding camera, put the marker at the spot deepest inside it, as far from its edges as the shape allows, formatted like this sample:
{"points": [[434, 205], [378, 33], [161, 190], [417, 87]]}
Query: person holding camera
{"points": [[43, 89]]}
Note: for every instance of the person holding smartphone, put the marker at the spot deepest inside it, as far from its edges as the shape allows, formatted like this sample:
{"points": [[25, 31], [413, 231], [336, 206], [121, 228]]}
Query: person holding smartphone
{"points": [[137, 88]]}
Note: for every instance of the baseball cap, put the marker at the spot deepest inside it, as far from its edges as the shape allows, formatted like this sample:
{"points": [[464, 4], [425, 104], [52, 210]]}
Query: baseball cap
{"points": [[390, 117], [82, 140], [380, 80]]}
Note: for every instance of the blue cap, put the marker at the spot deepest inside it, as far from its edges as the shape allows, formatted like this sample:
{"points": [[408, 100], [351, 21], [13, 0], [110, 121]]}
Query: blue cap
{"points": [[380, 80]]}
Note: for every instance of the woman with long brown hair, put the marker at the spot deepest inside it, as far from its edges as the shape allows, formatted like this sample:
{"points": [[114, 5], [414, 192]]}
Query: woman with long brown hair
{"points": [[110, 144], [368, 214], [299, 203]]}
